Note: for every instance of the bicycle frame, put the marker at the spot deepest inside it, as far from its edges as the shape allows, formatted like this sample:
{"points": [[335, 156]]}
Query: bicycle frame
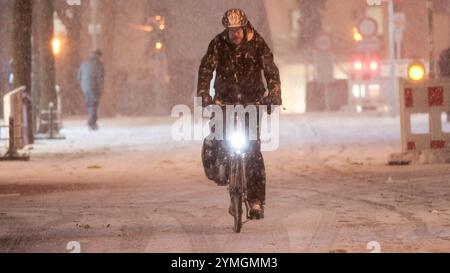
{"points": [[238, 184]]}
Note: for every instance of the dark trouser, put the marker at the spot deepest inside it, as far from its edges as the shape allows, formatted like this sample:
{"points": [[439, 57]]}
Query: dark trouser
{"points": [[255, 169], [93, 100], [256, 174]]}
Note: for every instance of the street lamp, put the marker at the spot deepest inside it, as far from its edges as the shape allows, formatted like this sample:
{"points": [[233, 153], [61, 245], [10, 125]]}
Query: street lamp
{"points": [[56, 45], [356, 35]]}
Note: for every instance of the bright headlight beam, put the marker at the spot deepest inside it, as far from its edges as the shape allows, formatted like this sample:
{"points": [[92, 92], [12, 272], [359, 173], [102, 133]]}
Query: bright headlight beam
{"points": [[237, 141]]}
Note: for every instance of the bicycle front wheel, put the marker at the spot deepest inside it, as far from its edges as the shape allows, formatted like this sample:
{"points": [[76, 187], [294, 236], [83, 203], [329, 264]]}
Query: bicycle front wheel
{"points": [[236, 203]]}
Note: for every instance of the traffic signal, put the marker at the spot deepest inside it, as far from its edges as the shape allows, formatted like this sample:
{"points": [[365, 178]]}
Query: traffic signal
{"points": [[374, 65], [357, 65], [416, 71], [365, 67]]}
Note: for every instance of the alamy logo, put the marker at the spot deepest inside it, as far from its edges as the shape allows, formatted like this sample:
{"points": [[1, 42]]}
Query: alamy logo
{"points": [[375, 2], [193, 126], [73, 2]]}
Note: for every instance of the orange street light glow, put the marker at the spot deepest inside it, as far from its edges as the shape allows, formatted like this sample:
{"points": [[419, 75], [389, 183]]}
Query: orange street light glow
{"points": [[56, 45]]}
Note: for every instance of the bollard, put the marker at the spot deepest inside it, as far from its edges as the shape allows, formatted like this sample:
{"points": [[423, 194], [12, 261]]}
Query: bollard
{"points": [[53, 123], [50, 110]]}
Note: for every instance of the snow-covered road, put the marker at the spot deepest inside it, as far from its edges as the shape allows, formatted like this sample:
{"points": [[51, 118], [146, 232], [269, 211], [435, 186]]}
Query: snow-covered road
{"points": [[130, 188]]}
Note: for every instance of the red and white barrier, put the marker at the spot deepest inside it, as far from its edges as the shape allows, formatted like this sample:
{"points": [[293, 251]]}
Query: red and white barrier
{"points": [[430, 97]]}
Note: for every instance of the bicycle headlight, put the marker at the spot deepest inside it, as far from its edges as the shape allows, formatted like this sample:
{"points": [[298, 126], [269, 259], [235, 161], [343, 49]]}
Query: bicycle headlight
{"points": [[238, 141]]}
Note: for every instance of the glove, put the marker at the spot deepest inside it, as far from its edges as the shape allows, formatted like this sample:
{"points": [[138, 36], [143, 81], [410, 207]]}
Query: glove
{"points": [[207, 100], [272, 100]]}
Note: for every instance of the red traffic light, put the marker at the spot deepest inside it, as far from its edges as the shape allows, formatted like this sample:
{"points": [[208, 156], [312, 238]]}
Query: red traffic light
{"points": [[374, 65], [357, 65], [365, 67]]}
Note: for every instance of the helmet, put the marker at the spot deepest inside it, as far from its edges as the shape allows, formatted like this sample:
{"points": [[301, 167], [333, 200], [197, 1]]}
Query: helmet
{"points": [[234, 18]]}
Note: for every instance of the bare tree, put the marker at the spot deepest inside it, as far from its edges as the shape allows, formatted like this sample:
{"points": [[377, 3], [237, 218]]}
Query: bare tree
{"points": [[44, 28], [22, 14], [5, 46]]}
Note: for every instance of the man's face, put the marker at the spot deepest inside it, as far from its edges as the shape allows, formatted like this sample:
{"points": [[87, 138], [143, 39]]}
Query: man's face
{"points": [[236, 35]]}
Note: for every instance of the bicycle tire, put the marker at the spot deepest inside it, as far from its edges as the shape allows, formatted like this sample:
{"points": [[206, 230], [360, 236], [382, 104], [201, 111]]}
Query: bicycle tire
{"points": [[237, 207]]}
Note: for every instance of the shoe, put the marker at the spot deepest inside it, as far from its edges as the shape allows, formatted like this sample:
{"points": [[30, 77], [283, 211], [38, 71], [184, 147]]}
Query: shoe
{"points": [[256, 210], [93, 128]]}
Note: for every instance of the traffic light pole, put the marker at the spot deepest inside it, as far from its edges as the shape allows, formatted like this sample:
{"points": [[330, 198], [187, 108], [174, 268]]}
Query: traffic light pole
{"points": [[432, 73], [94, 7], [393, 81]]}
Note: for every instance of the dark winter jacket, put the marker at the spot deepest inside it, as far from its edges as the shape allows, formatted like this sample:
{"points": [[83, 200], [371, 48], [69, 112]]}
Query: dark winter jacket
{"points": [[238, 69]]}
